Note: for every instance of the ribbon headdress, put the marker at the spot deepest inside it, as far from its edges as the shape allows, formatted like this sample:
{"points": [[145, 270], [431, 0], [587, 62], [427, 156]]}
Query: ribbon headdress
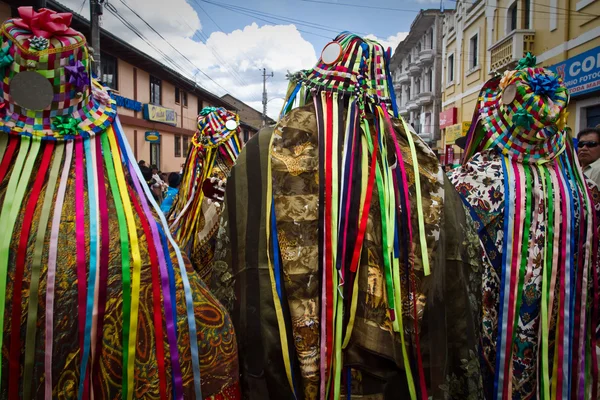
{"points": [[62, 145], [215, 147], [521, 117], [352, 91]]}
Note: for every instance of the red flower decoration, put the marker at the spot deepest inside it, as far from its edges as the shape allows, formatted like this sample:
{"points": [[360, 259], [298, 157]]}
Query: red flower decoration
{"points": [[45, 23]]}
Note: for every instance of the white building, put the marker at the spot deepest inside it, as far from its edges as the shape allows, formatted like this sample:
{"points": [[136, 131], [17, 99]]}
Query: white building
{"points": [[417, 70]]}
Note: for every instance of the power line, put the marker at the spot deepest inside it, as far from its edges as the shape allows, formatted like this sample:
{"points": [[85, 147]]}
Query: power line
{"points": [[81, 8], [308, 24], [360, 6], [173, 47], [259, 16]]}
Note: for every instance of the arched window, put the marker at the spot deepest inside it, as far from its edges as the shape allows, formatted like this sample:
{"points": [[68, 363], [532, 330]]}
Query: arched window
{"points": [[512, 17]]}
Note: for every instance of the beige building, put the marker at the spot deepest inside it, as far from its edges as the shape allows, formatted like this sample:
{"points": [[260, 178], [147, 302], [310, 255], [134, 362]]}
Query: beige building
{"points": [[252, 118], [157, 106], [416, 71], [489, 36]]}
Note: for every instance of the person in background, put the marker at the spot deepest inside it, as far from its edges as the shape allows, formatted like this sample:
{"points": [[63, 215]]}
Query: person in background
{"points": [[588, 152], [172, 190], [155, 188], [142, 163]]}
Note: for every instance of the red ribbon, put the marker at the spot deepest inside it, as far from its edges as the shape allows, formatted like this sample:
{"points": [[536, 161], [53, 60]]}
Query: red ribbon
{"points": [[45, 23]]}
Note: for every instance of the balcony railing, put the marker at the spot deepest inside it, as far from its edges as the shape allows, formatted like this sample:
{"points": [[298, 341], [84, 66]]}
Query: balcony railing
{"points": [[412, 106], [425, 98], [511, 49], [403, 78], [414, 69], [426, 57]]}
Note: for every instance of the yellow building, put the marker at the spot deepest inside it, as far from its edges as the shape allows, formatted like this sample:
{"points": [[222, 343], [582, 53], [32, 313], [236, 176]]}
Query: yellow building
{"points": [[485, 37]]}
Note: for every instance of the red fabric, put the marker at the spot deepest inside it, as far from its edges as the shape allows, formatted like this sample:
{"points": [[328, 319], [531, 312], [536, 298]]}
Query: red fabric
{"points": [[103, 273], [328, 234], [45, 23], [15, 320], [13, 141]]}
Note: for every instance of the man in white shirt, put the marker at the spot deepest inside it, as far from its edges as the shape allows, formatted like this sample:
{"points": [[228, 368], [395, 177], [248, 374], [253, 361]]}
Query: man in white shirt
{"points": [[588, 151]]}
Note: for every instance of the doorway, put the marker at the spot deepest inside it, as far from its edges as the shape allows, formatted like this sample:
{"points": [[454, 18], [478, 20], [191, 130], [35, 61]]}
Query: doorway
{"points": [[155, 155]]}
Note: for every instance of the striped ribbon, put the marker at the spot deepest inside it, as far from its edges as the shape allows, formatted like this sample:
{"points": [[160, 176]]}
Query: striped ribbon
{"points": [[15, 192], [51, 275]]}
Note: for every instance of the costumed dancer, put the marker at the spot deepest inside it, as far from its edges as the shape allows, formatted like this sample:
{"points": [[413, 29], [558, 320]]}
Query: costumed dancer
{"points": [[96, 300], [537, 219], [195, 216], [354, 265]]}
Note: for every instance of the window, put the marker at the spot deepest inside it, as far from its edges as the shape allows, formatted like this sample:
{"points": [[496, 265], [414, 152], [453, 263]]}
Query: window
{"points": [[181, 97], [473, 52], [177, 146], [430, 81], [155, 90], [527, 14], [109, 70], [200, 105], [431, 39], [451, 68], [417, 86], [512, 16], [407, 94], [186, 142]]}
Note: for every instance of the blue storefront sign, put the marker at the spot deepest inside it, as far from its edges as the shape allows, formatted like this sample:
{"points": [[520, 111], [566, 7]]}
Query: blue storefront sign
{"points": [[128, 103], [160, 114], [152, 136], [581, 74]]}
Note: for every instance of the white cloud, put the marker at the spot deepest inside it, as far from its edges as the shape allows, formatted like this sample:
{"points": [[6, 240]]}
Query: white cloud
{"points": [[391, 41], [278, 48]]}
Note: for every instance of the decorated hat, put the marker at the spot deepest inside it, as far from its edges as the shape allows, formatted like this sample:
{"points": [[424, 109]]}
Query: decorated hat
{"points": [[215, 148], [47, 89], [522, 113], [351, 66], [215, 127]]}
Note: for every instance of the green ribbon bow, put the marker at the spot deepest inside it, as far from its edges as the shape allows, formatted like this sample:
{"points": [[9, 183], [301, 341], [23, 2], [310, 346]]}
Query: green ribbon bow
{"points": [[528, 61], [5, 58], [65, 125], [207, 110], [523, 118]]}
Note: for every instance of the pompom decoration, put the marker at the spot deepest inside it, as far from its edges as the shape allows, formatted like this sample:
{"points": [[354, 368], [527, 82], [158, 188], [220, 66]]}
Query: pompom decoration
{"points": [[78, 77], [529, 61], [65, 125], [207, 110], [523, 119], [544, 85], [38, 43]]}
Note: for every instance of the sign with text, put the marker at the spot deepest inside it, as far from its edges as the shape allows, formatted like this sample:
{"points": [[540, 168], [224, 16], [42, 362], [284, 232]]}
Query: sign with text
{"points": [[128, 103], [160, 114], [581, 74], [448, 117], [152, 137], [455, 131]]}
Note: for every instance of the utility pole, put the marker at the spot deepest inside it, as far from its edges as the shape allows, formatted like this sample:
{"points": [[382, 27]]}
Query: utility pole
{"points": [[265, 76], [95, 13]]}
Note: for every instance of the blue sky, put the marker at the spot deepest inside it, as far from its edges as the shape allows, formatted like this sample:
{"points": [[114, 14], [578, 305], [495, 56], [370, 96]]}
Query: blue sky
{"points": [[224, 44]]}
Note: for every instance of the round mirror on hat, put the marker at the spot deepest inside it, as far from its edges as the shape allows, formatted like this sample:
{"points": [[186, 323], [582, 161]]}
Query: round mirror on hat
{"points": [[331, 53], [231, 125], [31, 90]]}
